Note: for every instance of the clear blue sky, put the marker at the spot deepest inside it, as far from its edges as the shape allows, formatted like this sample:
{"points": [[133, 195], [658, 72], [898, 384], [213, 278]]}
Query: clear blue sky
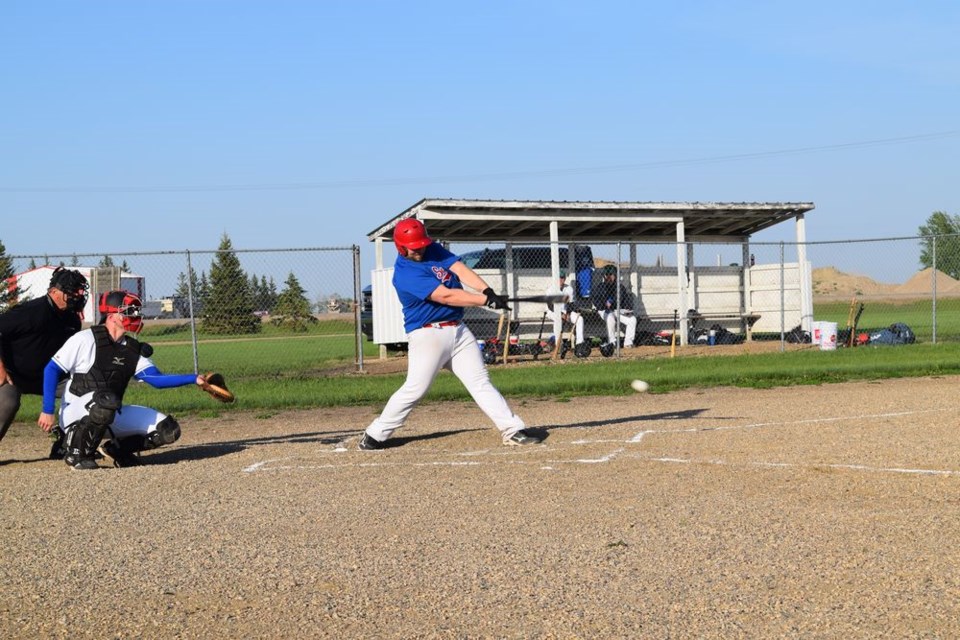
{"points": [[159, 125]]}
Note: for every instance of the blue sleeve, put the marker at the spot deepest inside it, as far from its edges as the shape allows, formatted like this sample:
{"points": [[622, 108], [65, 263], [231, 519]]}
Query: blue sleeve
{"points": [[153, 377], [52, 375]]}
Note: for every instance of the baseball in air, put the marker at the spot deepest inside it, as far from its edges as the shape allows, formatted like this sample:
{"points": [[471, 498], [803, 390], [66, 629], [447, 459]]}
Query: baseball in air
{"points": [[639, 386]]}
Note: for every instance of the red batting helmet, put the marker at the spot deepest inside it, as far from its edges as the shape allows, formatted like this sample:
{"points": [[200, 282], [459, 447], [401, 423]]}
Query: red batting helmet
{"points": [[126, 304], [410, 234]]}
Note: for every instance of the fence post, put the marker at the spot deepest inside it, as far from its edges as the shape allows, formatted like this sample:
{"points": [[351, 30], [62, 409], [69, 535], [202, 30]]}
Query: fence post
{"points": [[617, 333], [783, 303], [357, 333], [933, 275], [193, 321]]}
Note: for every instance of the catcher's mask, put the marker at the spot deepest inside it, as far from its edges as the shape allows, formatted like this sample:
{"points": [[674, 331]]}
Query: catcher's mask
{"points": [[127, 305], [73, 285], [410, 234]]}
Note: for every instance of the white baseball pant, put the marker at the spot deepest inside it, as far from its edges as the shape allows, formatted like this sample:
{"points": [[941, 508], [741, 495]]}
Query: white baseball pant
{"points": [[131, 419], [629, 322], [573, 318], [454, 348]]}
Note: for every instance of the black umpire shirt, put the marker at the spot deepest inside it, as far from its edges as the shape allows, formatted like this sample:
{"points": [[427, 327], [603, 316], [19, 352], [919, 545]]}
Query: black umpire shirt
{"points": [[30, 333]]}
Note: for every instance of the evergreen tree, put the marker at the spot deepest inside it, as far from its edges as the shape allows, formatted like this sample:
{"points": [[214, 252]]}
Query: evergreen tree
{"points": [[8, 297], [259, 299], [107, 261], [124, 267], [947, 229], [272, 294], [229, 306], [74, 261], [203, 289], [183, 291], [33, 264], [293, 308]]}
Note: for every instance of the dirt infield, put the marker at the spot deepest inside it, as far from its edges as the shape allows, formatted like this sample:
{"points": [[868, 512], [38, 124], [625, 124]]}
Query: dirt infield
{"points": [[827, 511]]}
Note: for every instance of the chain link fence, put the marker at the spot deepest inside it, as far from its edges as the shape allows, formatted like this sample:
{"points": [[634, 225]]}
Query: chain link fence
{"points": [[256, 312], [724, 293], [272, 312]]}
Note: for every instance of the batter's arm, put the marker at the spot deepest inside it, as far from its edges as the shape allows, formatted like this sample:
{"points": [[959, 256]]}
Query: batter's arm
{"points": [[469, 277], [486, 298], [457, 297]]}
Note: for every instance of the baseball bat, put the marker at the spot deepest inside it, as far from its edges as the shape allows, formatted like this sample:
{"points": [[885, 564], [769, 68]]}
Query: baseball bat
{"points": [[549, 299]]}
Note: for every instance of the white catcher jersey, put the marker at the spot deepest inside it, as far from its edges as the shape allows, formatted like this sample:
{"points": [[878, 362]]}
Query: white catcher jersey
{"points": [[79, 352]]}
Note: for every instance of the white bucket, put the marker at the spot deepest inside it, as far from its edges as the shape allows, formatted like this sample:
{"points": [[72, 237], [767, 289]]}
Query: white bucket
{"points": [[828, 336], [817, 333]]}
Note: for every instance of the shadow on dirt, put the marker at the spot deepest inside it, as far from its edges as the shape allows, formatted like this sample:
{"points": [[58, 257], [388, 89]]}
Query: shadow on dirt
{"points": [[218, 449], [672, 415], [400, 441]]}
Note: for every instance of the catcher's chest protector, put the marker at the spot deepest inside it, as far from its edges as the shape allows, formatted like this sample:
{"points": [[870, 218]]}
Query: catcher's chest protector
{"points": [[115, 364]]}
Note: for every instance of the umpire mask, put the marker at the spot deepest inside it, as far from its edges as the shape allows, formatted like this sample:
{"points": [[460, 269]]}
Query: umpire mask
{"points": [[74, 287]]}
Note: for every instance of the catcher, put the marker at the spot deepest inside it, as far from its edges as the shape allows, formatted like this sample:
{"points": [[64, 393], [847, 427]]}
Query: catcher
{"points": [[100, 362]]}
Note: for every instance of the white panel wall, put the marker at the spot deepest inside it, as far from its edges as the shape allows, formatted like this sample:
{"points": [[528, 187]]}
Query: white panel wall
{"points": [[387, 312], [763, 295]]}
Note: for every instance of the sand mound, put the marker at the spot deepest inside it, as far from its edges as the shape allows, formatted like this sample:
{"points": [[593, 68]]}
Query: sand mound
{"points": [[922, 282], [829, 281]]}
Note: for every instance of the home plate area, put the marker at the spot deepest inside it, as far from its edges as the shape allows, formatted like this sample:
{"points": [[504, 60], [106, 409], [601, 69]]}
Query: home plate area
{"points": [[889, 430]]}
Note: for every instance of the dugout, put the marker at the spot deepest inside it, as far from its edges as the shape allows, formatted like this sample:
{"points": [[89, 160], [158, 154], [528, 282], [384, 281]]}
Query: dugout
{"points": [[770, 295]]}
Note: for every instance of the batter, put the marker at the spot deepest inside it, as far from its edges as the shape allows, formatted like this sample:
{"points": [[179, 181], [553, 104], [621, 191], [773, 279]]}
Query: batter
{"points": [[429, 282]]}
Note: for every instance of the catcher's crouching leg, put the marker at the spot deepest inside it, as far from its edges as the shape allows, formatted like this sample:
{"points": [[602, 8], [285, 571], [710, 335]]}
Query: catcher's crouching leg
{"points": [[81, 439], [123, 451], [167, 432]]}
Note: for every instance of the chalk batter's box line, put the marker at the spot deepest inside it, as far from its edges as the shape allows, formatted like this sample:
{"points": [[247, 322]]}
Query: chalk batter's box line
{"points": [[636, 439], [549, 464]]}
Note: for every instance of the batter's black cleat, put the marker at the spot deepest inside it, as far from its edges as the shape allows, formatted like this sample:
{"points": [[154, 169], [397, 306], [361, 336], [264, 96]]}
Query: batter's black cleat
{"points": [[369, 444], [522, 438]]}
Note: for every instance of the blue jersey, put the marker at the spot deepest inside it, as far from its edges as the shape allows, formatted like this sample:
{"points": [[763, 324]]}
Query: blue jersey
{"points": [[415, 281]]}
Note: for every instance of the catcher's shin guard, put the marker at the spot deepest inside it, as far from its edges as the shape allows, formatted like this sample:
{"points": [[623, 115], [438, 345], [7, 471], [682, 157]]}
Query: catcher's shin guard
{"points": [[82, 438], [80, 441]]}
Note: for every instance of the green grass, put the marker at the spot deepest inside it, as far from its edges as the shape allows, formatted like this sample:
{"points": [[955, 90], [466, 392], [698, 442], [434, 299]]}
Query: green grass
{"points": [[274, 390], [917, 314], [278, 370]]}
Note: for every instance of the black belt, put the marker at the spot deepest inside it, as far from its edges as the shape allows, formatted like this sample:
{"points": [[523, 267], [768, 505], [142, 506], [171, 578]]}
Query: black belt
{"points": [[445, 323]]}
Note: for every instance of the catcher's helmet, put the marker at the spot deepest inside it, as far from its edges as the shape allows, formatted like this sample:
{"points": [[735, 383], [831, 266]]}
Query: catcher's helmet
{"points": [[126, 304], [74, 286], [410, 234]]}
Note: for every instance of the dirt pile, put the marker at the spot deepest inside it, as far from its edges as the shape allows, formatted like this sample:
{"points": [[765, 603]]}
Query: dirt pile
{"points": [[922, 282], [831, 282]]}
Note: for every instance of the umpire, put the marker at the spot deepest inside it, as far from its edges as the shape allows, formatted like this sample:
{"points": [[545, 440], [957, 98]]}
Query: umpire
{"points": [[31, 332]]}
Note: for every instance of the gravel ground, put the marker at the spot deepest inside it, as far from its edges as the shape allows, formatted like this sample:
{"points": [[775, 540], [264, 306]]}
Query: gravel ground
{"points": [[824, 511]]}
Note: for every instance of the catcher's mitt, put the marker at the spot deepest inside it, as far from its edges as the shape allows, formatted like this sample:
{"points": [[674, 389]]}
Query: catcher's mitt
{"points": [[216, 386]]}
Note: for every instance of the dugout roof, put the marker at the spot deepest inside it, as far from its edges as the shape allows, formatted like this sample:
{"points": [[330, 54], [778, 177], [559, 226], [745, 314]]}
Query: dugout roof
{"points": [[456, 220]]}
